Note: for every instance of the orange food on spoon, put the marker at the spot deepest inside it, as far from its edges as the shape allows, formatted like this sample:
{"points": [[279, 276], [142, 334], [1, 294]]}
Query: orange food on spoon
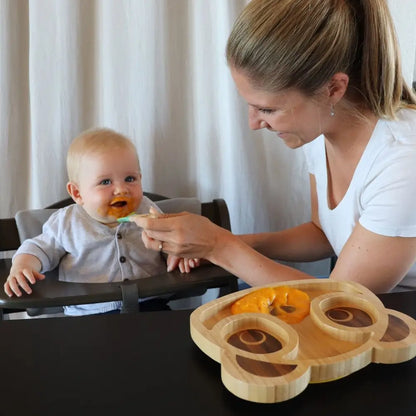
{"points": [[287, 303]]}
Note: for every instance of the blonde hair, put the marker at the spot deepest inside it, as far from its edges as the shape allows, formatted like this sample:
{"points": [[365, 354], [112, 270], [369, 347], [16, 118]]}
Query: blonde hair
{"points": [[96, 141], [301, 44]]}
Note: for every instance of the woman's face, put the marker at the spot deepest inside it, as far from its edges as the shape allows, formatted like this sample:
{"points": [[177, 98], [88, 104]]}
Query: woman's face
{"points": [[296, 118]]}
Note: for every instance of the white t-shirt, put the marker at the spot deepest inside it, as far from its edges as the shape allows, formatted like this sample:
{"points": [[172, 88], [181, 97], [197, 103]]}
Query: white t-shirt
{"points": [[382, 192]]}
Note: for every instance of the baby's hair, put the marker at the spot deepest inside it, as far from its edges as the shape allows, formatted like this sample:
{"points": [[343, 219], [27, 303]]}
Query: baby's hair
{"points": [[301, 44], [92, 141]]}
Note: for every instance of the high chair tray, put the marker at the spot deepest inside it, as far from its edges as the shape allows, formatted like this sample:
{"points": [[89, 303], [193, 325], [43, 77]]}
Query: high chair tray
{"points": [[264, 359]]}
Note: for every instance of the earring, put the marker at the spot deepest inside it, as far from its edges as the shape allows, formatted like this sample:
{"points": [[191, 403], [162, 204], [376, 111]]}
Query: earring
{"points": [[332, 112]]}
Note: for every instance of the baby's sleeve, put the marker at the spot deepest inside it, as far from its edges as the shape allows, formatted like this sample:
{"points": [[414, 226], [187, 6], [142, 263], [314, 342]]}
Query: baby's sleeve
{"points": [[46, 246]]}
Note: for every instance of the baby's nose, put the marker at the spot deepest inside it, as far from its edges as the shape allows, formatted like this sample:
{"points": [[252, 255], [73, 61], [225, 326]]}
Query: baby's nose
{"points": [[120, 188]]}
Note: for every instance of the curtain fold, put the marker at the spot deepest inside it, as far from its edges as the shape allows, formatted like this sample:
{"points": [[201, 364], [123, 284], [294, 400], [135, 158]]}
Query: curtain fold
{"points": [[155, 71]]}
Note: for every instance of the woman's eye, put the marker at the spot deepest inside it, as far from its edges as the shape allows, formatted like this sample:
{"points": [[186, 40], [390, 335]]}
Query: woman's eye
{"points": [[105, 182], [266, 110], [130, 179]]}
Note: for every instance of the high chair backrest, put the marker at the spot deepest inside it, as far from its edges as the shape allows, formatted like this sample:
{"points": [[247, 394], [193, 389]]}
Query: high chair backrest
{"points": [[29, 222]]}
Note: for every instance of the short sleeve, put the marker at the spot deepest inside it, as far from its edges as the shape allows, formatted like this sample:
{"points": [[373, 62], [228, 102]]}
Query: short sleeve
{"points": [[388, 201]]}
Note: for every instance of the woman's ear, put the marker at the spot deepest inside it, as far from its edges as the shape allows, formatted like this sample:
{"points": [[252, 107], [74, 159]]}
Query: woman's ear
{"points": [[73, 191], [337, 86]]}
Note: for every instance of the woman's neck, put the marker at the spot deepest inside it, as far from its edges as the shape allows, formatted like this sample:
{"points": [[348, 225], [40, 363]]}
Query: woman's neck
{"points": [[350, 134], [345, 145]]}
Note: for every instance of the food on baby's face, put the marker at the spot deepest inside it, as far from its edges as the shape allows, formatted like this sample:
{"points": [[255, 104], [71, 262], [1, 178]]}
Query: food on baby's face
{"points": [[289, 304], [120, 207]]}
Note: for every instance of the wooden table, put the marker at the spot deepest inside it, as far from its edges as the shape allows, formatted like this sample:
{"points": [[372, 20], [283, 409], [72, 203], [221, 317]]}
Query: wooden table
{"points": [[147, 364]]}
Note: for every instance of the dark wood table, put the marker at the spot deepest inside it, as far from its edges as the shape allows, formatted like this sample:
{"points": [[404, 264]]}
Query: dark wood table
{"points": [[147, 364]]}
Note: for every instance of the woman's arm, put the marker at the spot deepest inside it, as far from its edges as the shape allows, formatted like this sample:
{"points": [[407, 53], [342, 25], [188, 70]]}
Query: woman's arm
{"points": [[193, 236], [376, 261], [306, 242], [246, 256]]}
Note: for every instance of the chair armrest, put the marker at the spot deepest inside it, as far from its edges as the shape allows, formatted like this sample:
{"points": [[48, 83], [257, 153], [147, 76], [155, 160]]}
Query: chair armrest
{"points": [[51, 292], [208, 276]]}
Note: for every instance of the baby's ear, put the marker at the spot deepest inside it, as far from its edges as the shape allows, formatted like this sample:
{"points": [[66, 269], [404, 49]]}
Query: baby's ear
{"points": [[73, 191]]}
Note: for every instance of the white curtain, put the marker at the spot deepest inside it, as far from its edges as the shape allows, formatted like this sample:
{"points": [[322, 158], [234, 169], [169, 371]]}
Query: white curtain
{"points": [[155, 71]]}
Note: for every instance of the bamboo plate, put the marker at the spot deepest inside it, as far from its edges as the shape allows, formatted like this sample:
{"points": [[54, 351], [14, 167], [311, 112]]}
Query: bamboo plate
{"points": [[266, 360]]}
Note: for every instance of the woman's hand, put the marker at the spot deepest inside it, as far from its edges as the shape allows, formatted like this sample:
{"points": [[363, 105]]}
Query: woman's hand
{"points": [[193, 236], [183, 235]]}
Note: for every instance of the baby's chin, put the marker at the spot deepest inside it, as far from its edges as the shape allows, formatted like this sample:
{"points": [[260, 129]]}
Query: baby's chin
{"points": [[109, 220]]}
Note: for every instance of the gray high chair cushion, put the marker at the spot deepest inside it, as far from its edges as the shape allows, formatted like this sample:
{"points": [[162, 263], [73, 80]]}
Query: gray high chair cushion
{"points": [[29, 222], [176, 205]]}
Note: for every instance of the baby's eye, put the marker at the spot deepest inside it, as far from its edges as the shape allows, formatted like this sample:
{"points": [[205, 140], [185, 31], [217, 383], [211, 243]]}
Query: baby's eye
{"points": [[130, 179], [105, 182]]}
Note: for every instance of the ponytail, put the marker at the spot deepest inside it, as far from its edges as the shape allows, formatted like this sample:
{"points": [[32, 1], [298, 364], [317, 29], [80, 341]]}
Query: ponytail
{"points": [[381, 83]]}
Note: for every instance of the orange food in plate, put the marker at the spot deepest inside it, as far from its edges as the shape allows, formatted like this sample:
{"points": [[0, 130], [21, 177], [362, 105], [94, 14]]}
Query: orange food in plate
{"points": [[287, 303]]}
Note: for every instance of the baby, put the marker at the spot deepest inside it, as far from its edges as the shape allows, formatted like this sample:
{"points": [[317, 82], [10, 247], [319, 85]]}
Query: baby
{"points": [[85, 239]]}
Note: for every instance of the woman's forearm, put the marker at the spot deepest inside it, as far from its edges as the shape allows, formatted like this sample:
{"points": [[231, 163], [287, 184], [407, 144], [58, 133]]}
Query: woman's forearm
{"points": [[306, 242], [234, 255]]}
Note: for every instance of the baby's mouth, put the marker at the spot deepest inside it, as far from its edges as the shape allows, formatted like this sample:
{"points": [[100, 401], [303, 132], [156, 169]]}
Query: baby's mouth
{"points": [[118, 203], [120, 207]]}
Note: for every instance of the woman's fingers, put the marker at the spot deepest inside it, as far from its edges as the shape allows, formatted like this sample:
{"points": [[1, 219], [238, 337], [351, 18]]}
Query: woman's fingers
{"points": [[157, 221], [184, 235], [153, 244]]}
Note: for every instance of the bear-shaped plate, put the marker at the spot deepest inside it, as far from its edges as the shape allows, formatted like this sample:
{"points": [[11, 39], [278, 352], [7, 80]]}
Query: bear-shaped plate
{"points": [[266, 360]]}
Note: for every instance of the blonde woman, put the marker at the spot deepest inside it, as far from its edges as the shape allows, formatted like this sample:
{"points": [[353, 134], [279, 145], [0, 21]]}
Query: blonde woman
{"points": [[324, 75]]}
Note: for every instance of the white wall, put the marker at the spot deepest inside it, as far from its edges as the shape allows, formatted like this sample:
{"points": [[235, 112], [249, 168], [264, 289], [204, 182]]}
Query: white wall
{"points": [[404, 15]]}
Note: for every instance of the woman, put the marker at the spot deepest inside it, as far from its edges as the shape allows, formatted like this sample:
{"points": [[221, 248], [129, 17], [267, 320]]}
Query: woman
{"points": [[324, 75]]}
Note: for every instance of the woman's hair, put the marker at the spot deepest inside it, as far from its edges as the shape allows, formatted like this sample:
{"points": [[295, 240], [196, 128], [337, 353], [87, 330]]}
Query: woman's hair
{"points": [[94, 141], [301, 44]]}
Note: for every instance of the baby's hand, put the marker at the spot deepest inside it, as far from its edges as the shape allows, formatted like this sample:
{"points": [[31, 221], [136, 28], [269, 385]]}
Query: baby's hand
{"points": [[184, 265], [21, 274]]}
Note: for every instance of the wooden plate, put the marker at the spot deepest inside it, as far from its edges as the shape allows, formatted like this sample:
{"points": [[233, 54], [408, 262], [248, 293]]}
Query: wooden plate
{"points": [[266, 360]]}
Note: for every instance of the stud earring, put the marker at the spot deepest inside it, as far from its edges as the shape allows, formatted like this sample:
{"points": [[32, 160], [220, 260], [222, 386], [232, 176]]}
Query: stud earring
{"points": [[332, 112]]}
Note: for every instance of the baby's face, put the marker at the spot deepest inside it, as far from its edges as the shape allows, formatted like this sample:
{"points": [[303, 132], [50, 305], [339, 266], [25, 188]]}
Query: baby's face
{"points": [[110, 184]]}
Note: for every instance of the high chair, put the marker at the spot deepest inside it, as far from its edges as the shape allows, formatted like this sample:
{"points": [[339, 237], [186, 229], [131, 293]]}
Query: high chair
{"points": [[50, 295]]}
